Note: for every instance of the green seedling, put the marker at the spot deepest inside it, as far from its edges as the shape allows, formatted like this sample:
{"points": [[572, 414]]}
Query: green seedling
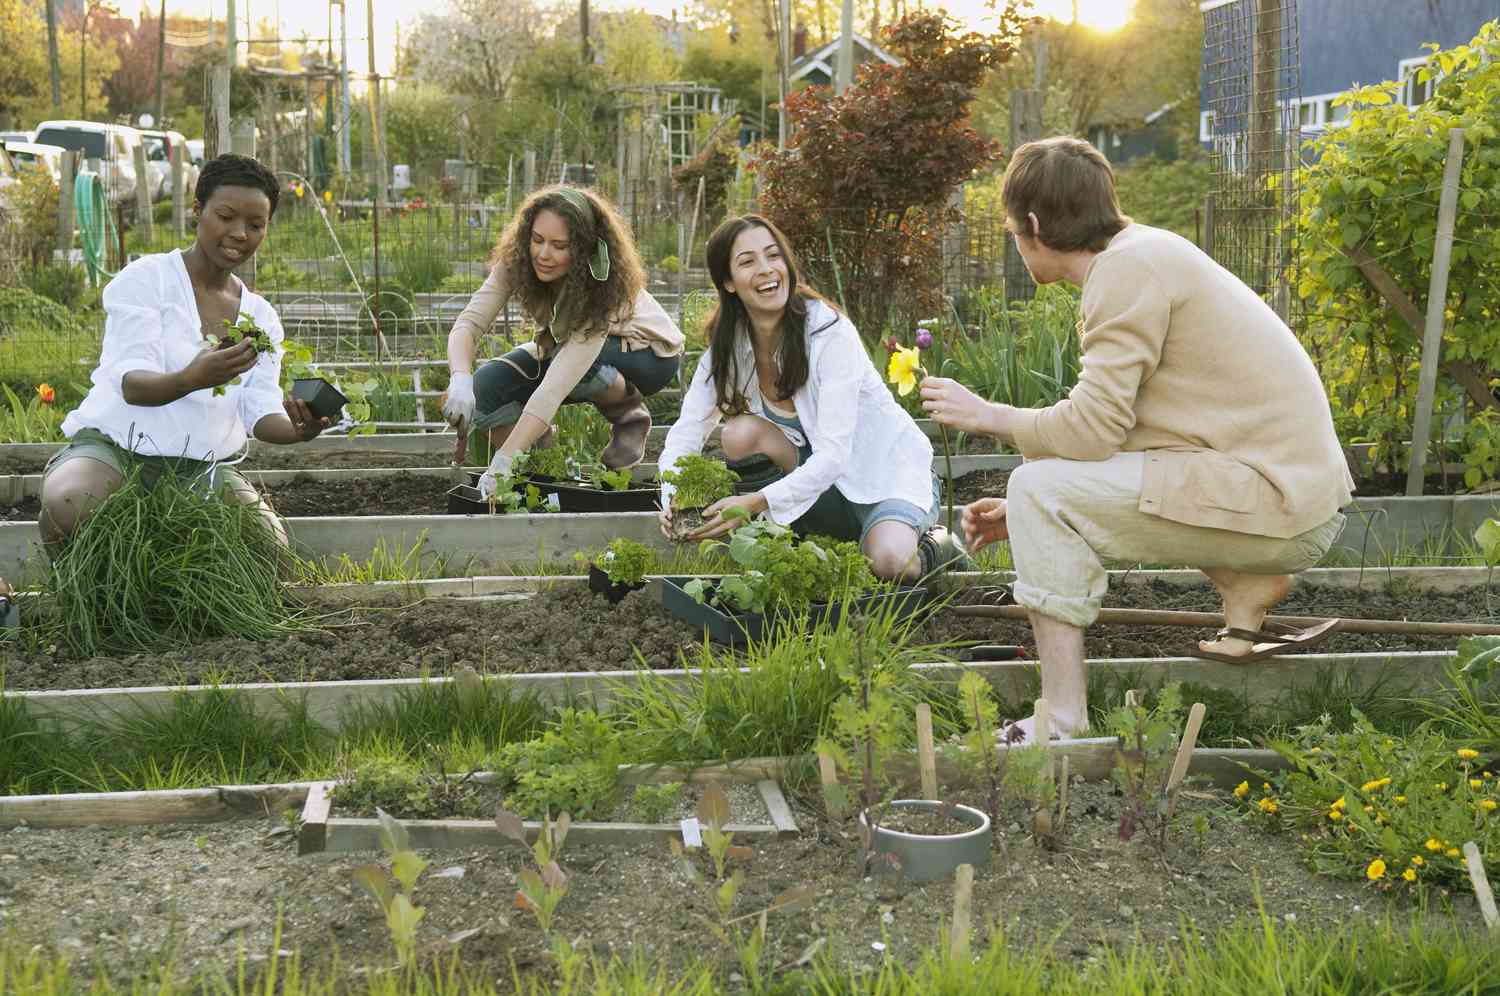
{"points": [[781, 571], [652, 803], [237, 332], [612, 480], [541, 888], [401, 915], [1148, 740], [624, 561], [713, 814]]}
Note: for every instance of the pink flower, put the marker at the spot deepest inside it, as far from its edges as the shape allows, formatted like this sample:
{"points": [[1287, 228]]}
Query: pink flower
{"points": [[924, 339]]}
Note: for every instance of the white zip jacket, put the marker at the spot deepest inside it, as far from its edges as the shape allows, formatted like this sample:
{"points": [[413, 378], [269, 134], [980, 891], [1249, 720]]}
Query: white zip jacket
{"points": [[863, 443], [151, 323]]}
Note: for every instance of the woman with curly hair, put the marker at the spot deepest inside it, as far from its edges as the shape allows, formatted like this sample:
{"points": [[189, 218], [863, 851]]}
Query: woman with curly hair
{"points": [[570, 260]]}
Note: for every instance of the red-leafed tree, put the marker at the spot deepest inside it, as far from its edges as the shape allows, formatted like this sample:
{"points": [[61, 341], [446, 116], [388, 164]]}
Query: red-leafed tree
{"points": [[862, 187]]}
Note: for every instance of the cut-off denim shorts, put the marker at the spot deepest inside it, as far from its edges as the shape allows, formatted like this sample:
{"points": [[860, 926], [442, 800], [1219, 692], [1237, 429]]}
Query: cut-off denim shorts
{"points": [[503, 386], [832, 514]]}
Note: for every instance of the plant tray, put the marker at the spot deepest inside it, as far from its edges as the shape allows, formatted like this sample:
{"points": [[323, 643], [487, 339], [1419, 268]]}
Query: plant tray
{"points": [[583, 497], [545, 486], [734, 628], [465, 499], [600, 584], [325, 400]]}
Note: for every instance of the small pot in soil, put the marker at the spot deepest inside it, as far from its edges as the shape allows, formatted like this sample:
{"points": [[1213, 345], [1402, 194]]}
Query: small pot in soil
{"points": [[323, 399], [600, 584], [925, 857], [685, 522]]}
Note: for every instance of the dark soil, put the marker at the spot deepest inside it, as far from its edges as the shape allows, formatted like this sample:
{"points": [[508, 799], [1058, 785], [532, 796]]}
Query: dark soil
{"points": [[112, 898], [921, 821], [571, 629]]}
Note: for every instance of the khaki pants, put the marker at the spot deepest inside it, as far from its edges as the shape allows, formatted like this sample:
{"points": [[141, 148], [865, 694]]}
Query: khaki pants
{"points": [[1067, 516]]}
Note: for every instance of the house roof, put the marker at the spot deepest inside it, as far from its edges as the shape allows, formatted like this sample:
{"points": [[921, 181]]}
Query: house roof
{"points": [[826, 57]]}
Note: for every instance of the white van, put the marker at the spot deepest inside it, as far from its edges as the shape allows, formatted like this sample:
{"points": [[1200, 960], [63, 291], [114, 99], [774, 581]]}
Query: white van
{"points": [[108, 153]]}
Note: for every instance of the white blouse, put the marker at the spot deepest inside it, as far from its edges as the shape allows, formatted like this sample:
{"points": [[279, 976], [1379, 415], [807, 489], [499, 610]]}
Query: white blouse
{"points": [[863, 443], [151, 323]]}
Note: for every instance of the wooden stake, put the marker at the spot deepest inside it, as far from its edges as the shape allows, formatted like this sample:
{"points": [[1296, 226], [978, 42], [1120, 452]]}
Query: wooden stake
{"points": [[1132, 698], [1482, 891], [1062, 794], [828, 772], [963, 912], [926, 759], [1184, 756]]}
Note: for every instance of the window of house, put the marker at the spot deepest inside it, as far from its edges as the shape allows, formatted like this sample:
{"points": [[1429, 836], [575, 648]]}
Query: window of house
{"points": [[1414, 91]]}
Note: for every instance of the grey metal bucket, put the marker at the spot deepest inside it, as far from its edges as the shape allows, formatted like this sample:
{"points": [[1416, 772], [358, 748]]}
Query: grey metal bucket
{"points": [[926, 857]]}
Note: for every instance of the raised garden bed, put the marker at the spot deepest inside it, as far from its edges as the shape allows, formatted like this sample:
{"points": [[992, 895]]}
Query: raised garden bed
{"points": [[727, 626]]}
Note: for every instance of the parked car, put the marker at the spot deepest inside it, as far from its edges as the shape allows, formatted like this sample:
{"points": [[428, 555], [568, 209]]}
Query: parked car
{"points": [[15, 136], [195, 149], [108, 152], [159, 145], [30, 155]]}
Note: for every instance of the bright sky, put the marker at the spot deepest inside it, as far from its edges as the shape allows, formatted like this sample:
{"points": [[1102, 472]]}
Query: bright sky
{"points": [[311, 17]]}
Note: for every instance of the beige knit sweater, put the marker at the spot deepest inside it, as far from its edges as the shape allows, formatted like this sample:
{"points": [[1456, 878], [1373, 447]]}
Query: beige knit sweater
{"points": [[1183, 361], [648, 326]]}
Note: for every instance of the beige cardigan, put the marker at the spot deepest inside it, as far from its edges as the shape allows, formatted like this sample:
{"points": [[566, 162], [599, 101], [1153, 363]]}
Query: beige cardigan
{"points": [[1183, 361], [648, 326]]}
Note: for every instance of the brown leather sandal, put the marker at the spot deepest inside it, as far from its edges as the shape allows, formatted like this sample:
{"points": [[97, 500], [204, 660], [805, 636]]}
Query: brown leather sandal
{"points": [[1273, 640]]}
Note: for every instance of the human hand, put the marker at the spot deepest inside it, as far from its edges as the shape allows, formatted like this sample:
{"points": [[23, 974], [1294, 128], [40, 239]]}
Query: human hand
{"points": [[305, 424], [984, 523], [664, 519], [954, 405], [213, 367], [458, 403], [500, 467], [728, 514]]}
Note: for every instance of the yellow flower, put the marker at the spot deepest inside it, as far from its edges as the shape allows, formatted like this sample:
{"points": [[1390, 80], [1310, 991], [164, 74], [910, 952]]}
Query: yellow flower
{"points": [[46, 394], [1475, 783], [1468, 754], [1441, 786], [904, 367], [1241, 790], [327, 197], [1400, 798], [1265, 786], [1451, 852], [1410, 874], [1369, 809], [1335, 815], [1268, 805], [1376, 871], [1339, 803], [1488, 805], [1418, 860], [1376, 784], [1433, 844]]}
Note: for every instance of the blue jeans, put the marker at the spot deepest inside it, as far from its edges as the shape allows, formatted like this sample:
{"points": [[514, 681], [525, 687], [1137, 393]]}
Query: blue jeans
{"points": [[502, 387], [832, 514]]}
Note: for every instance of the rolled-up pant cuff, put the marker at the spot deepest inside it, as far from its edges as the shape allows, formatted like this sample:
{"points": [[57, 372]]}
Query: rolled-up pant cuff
{"points": [[1080, 612]]}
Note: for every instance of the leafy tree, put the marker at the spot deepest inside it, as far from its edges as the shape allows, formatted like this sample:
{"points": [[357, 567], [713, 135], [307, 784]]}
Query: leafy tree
{"points": [[863, 186], [634, 49], [742, 70], [25, 80], [475, 47], [1369, 217]]}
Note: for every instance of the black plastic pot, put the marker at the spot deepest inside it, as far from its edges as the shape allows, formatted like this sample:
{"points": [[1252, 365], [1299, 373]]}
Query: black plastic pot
{"points": [[322, 398], [465, 499], [545, 485], [737, 627], [580, 497], [600, 584]]}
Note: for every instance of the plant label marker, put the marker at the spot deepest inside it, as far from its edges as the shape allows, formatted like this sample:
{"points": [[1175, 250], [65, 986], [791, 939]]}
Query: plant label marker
{"points": [[1482, 892], [828, 772], [1042, 714], [926, 759], [692, 833], [963, 912], [1184, 755]]}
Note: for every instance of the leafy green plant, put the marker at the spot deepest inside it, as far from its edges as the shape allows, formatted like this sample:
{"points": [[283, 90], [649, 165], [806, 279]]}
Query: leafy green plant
{"points": [[540, 888], [782, 572], [401, 915], [1018, 772], [611, 480], [652, 803], [1468, 704], [698, 481], [409, 791], [1148, 740], [237, 332], [1393, 810], [569, 768], [548, 461], [624, 561], [36, 420]]}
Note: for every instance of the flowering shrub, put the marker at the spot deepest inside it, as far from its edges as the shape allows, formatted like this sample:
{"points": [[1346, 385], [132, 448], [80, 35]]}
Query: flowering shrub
{"points": [[1392, 810]]}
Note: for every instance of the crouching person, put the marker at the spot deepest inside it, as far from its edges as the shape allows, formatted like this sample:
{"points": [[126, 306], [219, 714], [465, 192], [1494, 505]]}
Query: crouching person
{"points": [[1198, 433]]}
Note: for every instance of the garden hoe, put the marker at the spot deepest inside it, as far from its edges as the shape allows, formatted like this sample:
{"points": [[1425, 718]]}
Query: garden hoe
{"points": [[456, 473]]}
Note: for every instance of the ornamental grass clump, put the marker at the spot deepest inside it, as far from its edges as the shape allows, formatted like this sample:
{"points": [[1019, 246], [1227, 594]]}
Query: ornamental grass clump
{"points": [[157, 567]]}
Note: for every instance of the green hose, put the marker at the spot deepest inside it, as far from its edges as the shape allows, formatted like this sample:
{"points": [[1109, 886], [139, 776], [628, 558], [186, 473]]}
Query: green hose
{"points": [[95, 226]]}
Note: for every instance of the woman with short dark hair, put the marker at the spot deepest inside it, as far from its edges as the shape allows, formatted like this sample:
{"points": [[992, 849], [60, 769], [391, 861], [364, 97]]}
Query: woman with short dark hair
{"points": [[791, 376], [162, 398]]}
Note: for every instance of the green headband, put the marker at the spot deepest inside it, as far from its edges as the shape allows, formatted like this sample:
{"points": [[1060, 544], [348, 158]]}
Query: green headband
{"points": [[599, 265]]}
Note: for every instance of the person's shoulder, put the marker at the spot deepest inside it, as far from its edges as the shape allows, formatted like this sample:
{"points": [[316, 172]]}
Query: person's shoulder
{"points": [[1143, 243], [141, 279], [823, 318]]}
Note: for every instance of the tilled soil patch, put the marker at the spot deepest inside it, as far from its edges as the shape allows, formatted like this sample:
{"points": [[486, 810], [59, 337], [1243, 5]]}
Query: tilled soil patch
{"points": [[570, 629], [113, 899]]}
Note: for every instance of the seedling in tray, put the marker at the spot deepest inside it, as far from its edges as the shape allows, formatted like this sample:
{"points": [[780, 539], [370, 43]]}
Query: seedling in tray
{"points": [[237, 332], [698, 481]]}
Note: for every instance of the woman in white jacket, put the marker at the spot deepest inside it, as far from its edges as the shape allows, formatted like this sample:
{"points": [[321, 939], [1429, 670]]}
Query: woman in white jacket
{"points": [[798, 389]]}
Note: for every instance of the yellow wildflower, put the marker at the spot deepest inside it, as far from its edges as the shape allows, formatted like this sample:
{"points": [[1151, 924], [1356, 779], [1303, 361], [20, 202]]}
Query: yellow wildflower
{"points": [[1400, 798], [1378, 783], [1441, 786], [1376, 871], [1468, 754], [1335, 815], [1418, 860], [904, 367], [1410, 874], [1241, 790], [1488, 805], [1475, 783], [1339, 803], [327, 197], [1268, 805], [1369, 809], [1265, 786], [1451, 852], [1433, 844]]}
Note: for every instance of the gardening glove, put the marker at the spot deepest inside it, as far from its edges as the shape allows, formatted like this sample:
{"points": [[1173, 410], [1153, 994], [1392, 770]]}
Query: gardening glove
{"points": [[459, 405], [498, 470]]}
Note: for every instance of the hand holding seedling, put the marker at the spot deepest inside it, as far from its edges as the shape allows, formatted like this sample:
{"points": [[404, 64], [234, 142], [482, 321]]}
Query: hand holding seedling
{"points": [[985, 522], [957, 407], [727, 514], [218, 365]]}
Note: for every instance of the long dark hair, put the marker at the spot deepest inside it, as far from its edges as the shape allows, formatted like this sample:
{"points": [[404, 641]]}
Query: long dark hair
{"points": [[730, 315], [589, 302]]}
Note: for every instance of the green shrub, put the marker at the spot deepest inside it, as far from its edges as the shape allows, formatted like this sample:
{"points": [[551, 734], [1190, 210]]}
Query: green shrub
{"points": [[58, 282], [571, 768]]}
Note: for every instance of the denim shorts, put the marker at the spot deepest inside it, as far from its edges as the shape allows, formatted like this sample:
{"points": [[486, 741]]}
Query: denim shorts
{"points": [[92, 444], [502, 387], [832, 514]]}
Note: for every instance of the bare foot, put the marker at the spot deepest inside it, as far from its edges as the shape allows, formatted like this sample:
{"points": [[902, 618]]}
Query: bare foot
{"points": [[1247, 599]]}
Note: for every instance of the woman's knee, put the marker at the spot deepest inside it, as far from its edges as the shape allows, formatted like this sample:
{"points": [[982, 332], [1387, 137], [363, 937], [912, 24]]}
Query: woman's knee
{"points": [[891, 549], [70, 492], [745, 435]]}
